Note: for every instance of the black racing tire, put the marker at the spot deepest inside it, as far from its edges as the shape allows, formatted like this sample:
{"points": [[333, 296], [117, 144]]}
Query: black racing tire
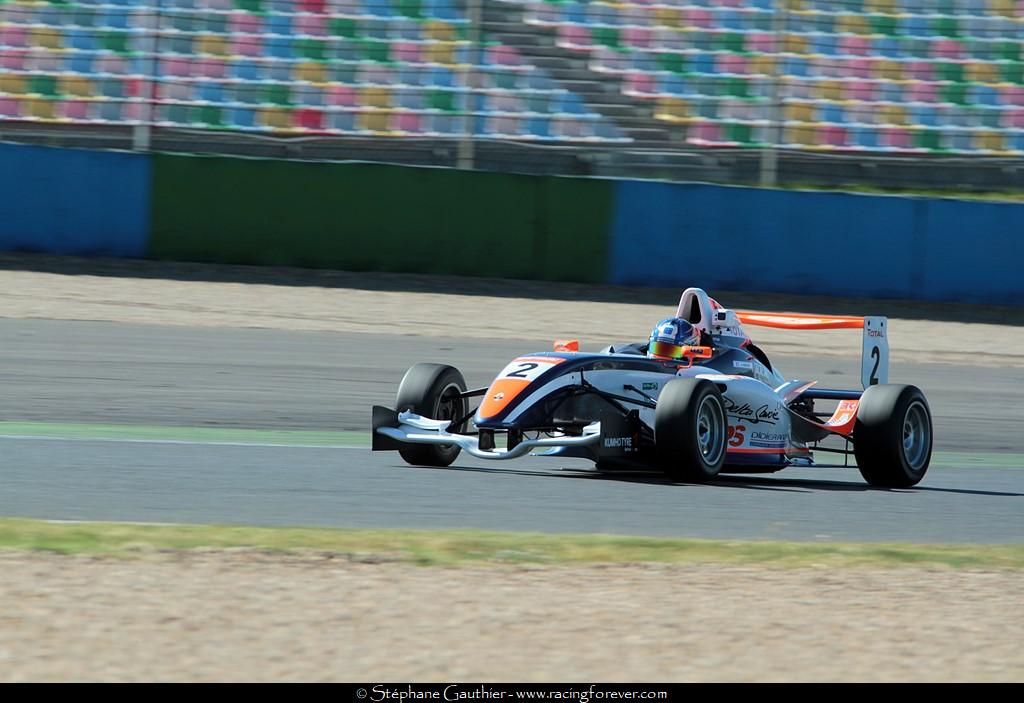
{"points": [[690, 430], [892, 438], [431, 390]]}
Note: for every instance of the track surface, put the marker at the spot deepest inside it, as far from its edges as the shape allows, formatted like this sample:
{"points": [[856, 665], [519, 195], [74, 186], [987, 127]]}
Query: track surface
{"points": [[86, 480], [88, 372], [98, 372]]}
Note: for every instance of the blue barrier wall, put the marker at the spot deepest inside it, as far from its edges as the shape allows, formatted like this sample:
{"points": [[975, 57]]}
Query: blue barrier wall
{"points": [[816, 243], [70, 201], [973, 252]]}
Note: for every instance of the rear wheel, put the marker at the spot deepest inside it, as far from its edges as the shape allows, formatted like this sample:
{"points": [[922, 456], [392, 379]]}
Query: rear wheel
{"points": [[690, 430], [432, 391], [892, 439]]}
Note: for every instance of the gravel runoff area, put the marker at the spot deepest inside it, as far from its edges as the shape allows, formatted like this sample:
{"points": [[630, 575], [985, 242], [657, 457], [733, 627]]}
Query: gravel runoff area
{"points": [[295, 299], [247, 615]]}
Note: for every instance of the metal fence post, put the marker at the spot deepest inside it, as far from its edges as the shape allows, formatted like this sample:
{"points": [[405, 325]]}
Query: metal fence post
{"points": [[142, 132], [466, 157], [769, 154]]}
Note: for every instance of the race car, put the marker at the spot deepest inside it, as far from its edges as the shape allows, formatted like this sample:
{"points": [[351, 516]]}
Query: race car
{"points": [[698, 398]]}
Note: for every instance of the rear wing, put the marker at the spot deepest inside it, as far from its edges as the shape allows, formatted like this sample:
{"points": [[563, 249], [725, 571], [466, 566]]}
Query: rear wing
{"points": [[874, 364]]}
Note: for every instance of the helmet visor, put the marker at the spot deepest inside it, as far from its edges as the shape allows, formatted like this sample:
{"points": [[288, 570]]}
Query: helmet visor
{"points": [[665, 350]]}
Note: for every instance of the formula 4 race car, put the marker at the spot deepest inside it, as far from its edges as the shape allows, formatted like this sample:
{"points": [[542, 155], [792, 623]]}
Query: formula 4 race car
{"points": [[719, 407]]}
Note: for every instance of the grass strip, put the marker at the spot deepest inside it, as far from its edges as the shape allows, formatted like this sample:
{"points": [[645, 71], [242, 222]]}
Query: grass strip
{"points": [[455, 547]]}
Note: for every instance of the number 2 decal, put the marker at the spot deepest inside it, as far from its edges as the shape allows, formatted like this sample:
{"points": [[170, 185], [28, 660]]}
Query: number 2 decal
{"points": [[524, 368], [876, 354], [527, 368]]}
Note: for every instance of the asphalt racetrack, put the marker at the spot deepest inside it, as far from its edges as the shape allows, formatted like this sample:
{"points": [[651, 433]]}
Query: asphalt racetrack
{"points": [[115, 373]]}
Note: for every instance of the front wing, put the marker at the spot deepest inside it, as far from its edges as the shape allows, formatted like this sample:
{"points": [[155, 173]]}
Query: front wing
{"points": [[392, 429]]}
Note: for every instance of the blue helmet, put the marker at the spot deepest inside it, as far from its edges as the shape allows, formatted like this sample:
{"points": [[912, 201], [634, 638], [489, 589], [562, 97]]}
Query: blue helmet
{"points": [[670, 337]]}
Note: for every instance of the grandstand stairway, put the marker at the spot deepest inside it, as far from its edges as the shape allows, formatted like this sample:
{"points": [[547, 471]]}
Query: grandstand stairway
{"points": [[504, 22]]}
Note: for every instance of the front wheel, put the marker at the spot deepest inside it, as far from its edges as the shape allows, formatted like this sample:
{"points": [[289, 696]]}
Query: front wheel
{"points": [[892, 439], [432, 391], [690, 430]]}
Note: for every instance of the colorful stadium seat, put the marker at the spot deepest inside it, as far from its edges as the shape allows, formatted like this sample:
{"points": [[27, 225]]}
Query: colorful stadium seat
{"points": [[370, 67], [896, 75]]}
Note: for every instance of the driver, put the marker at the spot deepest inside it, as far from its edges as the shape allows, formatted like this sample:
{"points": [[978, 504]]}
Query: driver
{"points": [[670, 337]]}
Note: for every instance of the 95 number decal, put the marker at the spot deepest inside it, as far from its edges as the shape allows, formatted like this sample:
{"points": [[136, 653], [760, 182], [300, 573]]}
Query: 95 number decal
{"points": [[737, 435]]}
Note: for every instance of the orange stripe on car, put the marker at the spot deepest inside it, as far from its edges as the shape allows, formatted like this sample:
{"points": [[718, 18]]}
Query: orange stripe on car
{"points": [[519, 374], [500, 394], [799, 321], [750, 450], [754, 450]]}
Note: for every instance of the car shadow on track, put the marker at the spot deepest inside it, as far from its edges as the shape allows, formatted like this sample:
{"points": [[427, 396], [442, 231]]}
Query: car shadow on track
{"points": [[757, 483], [855, 486]]}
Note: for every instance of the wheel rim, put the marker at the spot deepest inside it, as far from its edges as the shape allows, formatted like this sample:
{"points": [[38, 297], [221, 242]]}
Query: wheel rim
{"points": [[710, 429], [449, 404], [449, 407], [917, 436]]}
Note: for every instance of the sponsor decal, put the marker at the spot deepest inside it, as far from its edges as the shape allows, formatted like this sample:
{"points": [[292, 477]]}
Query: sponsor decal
{"points": [[743, 365], [740, 436], [765, 413], [844, 416], [620, 434], [649, 387], [875, 333], [498, 396], [768, 440]]}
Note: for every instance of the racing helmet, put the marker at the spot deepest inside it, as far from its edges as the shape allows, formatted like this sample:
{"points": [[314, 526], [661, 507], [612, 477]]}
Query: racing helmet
{"points": [[670, 337]]}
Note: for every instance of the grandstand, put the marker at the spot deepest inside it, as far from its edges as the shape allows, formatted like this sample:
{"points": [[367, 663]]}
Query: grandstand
{"points": [[346, 67], [879, 76]]}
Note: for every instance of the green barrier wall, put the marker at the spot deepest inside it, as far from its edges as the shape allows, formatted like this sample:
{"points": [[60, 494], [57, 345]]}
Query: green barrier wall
{"points": [[379, 217]]}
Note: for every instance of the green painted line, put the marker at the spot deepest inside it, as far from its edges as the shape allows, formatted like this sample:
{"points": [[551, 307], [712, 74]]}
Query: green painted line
{"points": [[453, 547], [978, 460], [229, 435], [198, 435]]}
